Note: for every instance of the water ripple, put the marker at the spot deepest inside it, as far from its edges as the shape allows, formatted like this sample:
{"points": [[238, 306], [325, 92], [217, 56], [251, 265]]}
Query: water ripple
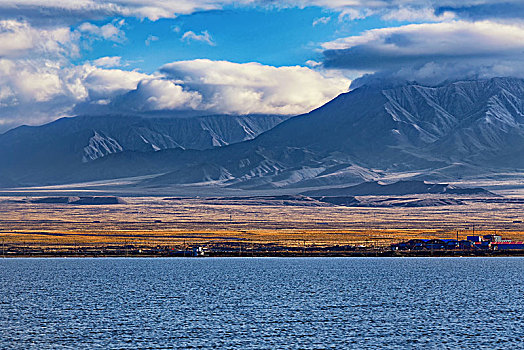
{"points": [[250, 303]]}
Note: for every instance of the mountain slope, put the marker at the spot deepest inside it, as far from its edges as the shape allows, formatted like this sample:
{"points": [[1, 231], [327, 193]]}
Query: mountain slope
{"points": [[471, 126], [457, 129], [54, 147]]}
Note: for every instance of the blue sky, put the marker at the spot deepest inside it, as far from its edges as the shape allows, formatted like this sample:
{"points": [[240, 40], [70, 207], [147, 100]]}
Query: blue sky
{"points": [[277, 37], [237, 57]]}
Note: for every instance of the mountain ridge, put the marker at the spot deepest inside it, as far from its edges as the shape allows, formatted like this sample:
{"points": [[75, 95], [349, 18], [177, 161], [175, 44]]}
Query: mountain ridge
{"points": [[464, 128], [83, 139]]}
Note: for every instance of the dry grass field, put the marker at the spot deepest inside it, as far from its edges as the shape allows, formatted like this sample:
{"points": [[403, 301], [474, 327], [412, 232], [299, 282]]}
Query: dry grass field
{"points": [[152, 221]]}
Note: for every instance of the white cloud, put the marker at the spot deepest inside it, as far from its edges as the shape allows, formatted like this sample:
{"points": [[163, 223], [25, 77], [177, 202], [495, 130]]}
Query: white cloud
{"points": [[321, 20], [36, 91], [150, 39], [313, 64], [417, 14], [455, 37], [39, 86], [15, 37], [18, 38], [426, 42], [41, 90], [353, 13], [159, 94], [202, 37], [109, 31], [36, 81], [255, 88], [113, 61], [104, 84], [433, 51]]}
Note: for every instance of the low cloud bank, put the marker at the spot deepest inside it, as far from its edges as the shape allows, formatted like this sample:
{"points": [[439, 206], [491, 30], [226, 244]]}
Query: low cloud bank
{"points": [[38, 91], [432, 52]]}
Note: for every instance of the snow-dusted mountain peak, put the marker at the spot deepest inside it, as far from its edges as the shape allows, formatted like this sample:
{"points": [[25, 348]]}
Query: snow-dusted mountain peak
{"points": [[442, 133]]}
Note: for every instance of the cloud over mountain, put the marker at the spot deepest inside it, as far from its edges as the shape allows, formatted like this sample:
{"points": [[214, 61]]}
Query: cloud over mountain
{"points": [[37, 91], [255, 88], [40, 90], [446, 50], [158, 94]]}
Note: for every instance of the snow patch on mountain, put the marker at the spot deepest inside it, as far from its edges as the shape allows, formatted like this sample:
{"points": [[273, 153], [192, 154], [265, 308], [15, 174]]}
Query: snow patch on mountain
{"points": [[155, 148], [100, 145]]}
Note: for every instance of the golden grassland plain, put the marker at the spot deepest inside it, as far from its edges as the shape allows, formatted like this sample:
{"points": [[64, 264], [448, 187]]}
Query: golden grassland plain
{"points": [[152, 221]]}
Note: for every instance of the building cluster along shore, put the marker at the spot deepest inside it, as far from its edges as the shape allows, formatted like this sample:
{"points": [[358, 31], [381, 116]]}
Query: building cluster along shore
{"points": [[491, 242]]}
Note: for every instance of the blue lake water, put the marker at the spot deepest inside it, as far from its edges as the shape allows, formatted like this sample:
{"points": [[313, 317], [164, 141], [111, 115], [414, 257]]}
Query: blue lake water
{"points": [[262, 303]]}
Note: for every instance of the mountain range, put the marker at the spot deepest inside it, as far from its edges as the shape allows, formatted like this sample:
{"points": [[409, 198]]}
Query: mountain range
{"points": [[455, 130], [52, 148]]}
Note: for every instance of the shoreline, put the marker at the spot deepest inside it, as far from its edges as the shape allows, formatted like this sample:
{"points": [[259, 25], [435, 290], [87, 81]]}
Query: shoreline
{"points": [[282, 254]]}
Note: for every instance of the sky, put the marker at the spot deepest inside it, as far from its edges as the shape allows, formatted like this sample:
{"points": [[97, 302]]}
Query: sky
{"points": [[63, 58]]}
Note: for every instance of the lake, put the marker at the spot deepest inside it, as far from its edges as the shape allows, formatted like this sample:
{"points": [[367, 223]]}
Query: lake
{"points": [[262, 303]]}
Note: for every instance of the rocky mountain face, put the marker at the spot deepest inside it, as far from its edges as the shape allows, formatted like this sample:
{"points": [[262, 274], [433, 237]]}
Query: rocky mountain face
{"points": [[447, 132], [71, 141], [463, 128]]}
